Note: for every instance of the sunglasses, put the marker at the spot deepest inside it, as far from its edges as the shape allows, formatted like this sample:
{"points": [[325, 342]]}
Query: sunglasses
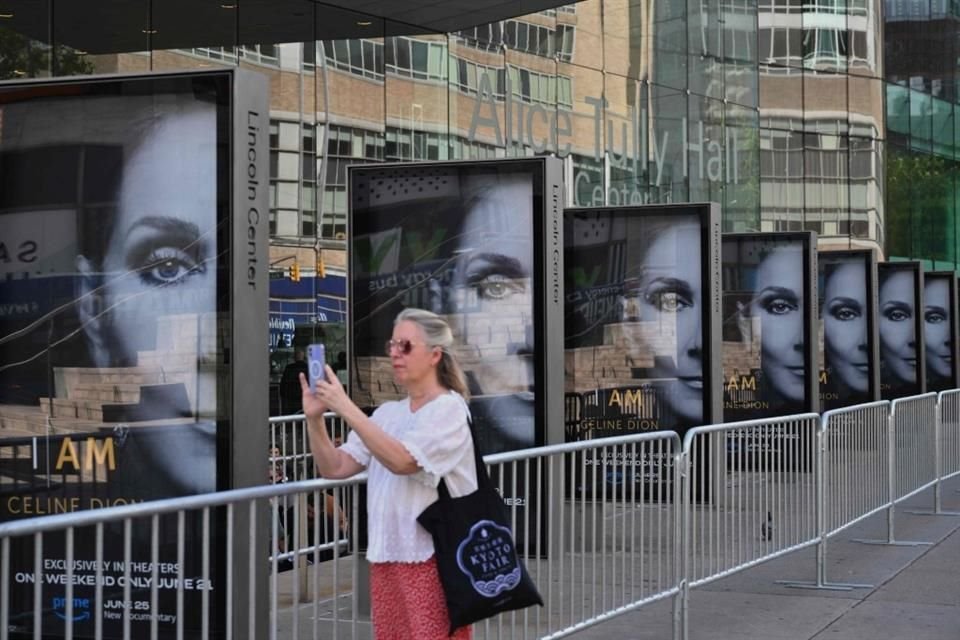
{"points": [[403, 346]]}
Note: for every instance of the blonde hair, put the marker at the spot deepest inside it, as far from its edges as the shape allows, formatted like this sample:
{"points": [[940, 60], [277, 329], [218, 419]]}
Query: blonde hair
{"points": [[437, 333]]}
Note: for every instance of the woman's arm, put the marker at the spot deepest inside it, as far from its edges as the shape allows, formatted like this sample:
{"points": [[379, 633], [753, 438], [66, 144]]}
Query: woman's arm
{"points": [[330, 461], [388, 450]]}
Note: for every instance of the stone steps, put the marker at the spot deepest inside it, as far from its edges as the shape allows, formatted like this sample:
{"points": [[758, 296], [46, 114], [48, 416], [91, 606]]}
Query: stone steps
{"points": [[107, 393], [19, 420]]}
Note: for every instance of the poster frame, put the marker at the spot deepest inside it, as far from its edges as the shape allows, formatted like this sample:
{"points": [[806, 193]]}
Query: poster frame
{"points": [[242, 209], [873, 336], [547, 321], [709, 217], [915, 267], [952, 287], [547, 274], [808, 242]]}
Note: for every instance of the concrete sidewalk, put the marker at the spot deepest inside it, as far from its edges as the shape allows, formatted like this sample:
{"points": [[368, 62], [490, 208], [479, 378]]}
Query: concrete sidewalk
{"points": [[915, 593]]}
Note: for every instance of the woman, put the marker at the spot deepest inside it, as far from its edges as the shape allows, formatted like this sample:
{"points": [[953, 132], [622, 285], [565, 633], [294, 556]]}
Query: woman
{"points": [[775, 310], [898, 342], [146, 284], [407, 446], [844, 309], [936, 332], [156, 258], [666, 302], [491, 307]]}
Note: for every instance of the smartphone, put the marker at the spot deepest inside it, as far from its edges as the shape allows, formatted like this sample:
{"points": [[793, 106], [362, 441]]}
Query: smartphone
{"points": [[316, 361]]}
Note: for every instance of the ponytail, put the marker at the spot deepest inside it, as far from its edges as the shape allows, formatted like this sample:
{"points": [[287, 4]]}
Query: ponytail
{"points": [[451, 376]]}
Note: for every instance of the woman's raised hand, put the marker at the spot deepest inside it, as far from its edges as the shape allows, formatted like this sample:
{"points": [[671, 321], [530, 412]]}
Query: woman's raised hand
{"points": [[313, 406], [330, 393]]}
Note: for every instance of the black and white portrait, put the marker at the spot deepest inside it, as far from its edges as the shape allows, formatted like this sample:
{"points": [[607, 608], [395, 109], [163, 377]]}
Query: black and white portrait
{"points": [[635, 320], [899, 348], [112, 352], [458, 241], [119, 197], [845, 308], [765, 287], [939, 327]]}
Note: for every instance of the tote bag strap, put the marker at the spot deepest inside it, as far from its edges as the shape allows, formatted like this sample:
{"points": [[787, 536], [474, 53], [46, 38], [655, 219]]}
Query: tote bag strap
{"points": [[483, 478]]}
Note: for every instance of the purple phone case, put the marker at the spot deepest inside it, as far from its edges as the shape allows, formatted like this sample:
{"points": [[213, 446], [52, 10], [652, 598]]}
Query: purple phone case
{"points": [[315, 364]]}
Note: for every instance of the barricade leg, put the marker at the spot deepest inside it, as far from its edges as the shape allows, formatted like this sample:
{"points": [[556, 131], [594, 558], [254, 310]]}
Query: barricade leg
{"points": [[891, 540], [821, 582]]}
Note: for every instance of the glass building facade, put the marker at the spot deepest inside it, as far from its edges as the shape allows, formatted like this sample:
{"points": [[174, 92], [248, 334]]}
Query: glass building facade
{"points": [[922, 51], [829, 115]]}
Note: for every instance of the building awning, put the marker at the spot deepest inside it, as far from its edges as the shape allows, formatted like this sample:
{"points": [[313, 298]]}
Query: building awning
{"points": [[117, 26]]}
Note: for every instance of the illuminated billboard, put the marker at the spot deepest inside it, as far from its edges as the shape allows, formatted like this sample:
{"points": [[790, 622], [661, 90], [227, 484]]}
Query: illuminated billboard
{"points": [[848, 342], [902, 354], [136, 210], [639, 319], [479, 243], [473, 243], [940, 329], [769, 345]]}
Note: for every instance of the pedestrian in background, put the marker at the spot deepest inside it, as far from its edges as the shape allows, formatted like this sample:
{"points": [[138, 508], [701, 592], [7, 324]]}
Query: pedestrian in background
{"points": [[290, 395]]}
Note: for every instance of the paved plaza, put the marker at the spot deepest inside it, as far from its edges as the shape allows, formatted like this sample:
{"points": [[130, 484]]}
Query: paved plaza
{"points": [[915, 593]]}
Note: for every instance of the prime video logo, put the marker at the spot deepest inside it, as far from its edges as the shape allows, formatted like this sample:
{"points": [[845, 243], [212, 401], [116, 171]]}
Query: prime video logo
{"points": [[81, 608]]}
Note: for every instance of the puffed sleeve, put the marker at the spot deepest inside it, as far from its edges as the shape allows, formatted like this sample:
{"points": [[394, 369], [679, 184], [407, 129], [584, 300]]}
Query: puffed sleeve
{"points": [[355, 447], [440, 438]]}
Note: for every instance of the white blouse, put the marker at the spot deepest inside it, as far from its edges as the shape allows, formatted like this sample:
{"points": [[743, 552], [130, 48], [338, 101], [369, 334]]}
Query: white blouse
{"points": [[438, 437]]}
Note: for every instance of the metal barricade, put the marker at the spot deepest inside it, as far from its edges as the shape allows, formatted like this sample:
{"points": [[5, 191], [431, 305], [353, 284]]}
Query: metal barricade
{"points": [[914, 423], [599, 523], [749, 496], [852, 477], [291, 460], [911, 456], [949, 403], [157, 563], [289, 456], [751, 492], [595, 522], [598, 527], [945, 454]]}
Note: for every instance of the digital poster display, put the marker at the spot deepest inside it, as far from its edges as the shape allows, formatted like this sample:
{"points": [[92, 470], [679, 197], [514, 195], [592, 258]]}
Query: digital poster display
{"points": [[479, 243], [123, 267], [468, 241], [940, 329], [848, 343], [902, 353], [641, 326], [769, 345], [639, 316]]}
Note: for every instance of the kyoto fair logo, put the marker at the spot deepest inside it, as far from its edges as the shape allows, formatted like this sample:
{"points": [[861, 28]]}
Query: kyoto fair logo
{"points": [[488, 558]]}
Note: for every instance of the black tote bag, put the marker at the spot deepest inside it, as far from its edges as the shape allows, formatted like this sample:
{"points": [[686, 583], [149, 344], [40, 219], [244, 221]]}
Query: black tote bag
{"points": [[481, 573]]}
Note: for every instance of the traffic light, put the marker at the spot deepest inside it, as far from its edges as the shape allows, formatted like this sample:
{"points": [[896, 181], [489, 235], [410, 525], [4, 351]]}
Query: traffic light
{"points": [[321, 268], [295, 272]]}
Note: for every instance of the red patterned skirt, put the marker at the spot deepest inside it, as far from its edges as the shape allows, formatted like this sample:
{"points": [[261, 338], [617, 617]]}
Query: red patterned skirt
{"points": [[407, 602]]}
